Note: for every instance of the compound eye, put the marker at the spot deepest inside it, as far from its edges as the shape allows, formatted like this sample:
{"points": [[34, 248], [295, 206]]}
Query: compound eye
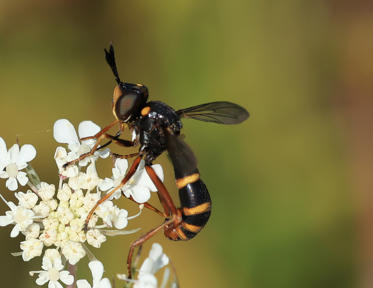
{"points": [[126, 106]]}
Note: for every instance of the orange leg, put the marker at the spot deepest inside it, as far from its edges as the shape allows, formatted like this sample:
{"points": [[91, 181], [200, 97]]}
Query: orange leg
{"points": [[99, 136], [104, 130], [170, 210], [140, 241], [129, 174], [150, 207], [120, 142], [163, 195], [116, 140]]}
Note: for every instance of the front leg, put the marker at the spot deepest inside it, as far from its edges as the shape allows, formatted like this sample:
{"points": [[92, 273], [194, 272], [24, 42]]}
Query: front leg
{"points": [[99, 137], [114, 139]]}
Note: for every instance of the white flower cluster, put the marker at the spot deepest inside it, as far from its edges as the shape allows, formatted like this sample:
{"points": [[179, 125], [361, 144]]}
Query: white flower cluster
{"points": [[52, 219]]}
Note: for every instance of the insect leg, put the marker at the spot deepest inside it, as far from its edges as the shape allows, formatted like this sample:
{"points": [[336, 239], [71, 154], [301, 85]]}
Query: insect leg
{"points": [[169, 208], [150, 207], [141, 241], [99, 136], [129, 174], [96, 147], [163, 195], [115, 155], [116, 140], [102, 131]]}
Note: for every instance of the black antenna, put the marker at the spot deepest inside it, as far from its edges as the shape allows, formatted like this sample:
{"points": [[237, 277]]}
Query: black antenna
{"points": [[110, 59]]}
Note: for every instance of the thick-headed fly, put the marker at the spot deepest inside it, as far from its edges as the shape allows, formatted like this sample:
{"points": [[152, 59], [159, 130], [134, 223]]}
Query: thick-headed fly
{"points": [[157, 127]]}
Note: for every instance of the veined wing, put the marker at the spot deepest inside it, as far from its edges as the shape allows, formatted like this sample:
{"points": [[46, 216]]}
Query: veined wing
{"points": [[220, 112]]}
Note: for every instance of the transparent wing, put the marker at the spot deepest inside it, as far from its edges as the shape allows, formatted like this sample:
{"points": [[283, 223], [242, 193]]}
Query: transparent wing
{"points": [[220, 112]]}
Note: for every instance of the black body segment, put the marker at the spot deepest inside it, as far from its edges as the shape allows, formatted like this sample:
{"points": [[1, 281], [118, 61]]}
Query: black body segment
{"points": [[189, 234], [197, 219], [194, 194], [152, 128]]}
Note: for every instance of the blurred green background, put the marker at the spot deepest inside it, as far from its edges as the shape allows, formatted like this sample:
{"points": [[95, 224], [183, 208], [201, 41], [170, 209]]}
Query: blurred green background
{"points": [[287, 207]]}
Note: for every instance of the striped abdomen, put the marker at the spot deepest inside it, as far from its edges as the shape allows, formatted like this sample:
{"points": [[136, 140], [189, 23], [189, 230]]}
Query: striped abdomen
{"points": [[195, 205], [194, 197]]}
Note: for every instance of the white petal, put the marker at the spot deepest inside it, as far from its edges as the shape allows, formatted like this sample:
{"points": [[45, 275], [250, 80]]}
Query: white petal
{"points": [[27, 153], [159, 171], [54, 284], [5, 220], [140, 194], [147, 266], [11, 184], [83, 284], [2, 145], [60, 153], [3, 174], [47, 263], [43, 278], [91, 169], [148, 182], [11, 205], [121, 165], [66, 277], [160, 263], [97, 269], [87, 129], [15, 231], [21, 165], [141, 165], [52, 258], [105, 283], [106, 184], [57, 263], [64, 132], [85, 161], [121, 219], [126, 192], [14, 153], [146, 281], [144, 180], [22, 178], [4, 161], [3, 150], [104, 153], [159, 259], [155, 252]]}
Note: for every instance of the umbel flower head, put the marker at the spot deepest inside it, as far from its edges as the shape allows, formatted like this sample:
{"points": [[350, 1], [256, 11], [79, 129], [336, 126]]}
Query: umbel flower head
{"points": [[51, 217]]}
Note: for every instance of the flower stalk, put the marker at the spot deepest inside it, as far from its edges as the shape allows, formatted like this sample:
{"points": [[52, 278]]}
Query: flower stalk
{"points": [[72, 270]]}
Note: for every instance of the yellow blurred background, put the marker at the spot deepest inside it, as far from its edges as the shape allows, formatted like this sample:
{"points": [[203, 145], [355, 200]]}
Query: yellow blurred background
{"points": [[291, 187]]}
